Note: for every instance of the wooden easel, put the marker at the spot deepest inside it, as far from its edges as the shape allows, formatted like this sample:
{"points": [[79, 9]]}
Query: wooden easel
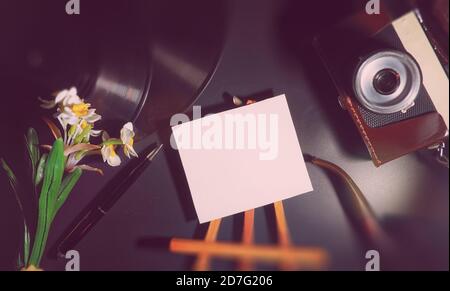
{"points": [[287, 256]]}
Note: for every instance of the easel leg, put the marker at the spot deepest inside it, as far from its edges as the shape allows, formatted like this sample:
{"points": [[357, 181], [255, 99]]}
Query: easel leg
{"points": [[247, 237], [284, 238], [202, 263]]}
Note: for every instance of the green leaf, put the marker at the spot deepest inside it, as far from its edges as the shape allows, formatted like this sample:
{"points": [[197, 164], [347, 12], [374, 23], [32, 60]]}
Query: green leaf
{"points": [[66, 187], [14, 185], [40, 170], [19, 263], [26, 245], [53, 173], [10, 174], [32, 143], [58, 172]]}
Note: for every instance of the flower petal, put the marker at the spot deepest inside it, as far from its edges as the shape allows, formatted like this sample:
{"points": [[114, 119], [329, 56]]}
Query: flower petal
{"points": [[126, 151], [89, 168], [96, 133], [114, 160], [92, 118], [105, 153], [80, 147], [47, 104], [105, 135], [62, 95], [129, 151], [73, 91], [127, 133], [53, 128], [72, 100], [128, 126]]}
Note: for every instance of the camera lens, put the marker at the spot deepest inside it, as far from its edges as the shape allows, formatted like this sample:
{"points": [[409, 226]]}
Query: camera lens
{"points": [[386, 81]]}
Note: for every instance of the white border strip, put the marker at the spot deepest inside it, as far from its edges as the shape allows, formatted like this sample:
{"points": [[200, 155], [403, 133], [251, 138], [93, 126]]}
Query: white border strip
{"points": [[417, 44]]}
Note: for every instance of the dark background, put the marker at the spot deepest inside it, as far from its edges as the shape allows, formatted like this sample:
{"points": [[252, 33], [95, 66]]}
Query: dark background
{"points": [[267, 51]]}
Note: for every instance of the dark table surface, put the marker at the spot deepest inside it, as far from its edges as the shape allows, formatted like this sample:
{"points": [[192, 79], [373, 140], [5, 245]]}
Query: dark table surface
{"points": [[267, 51]]}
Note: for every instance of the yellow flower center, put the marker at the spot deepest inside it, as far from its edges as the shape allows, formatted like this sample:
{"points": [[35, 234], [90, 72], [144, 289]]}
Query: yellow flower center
{"points": [[81, 109]]}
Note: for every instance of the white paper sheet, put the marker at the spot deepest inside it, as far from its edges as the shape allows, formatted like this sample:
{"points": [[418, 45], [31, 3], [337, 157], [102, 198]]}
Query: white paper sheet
{"points": [[228, 175]]}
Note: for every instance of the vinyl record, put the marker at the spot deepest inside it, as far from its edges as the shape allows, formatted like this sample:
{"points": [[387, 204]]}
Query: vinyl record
{"points": [[187, 41], [136, 60]]}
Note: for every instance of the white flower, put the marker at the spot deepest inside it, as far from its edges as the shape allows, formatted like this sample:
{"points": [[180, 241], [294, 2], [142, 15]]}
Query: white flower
{"points": [[68, 97], [63, 98], [74, 113], [65, 119], [127, 136], [110, 156]]}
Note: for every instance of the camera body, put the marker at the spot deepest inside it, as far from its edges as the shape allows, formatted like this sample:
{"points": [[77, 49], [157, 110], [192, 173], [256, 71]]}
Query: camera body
{"points": [[388, 78]]}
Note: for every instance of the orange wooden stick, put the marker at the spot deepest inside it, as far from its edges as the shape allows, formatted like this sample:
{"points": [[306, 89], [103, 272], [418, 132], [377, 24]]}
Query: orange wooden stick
{"points": [[247, 237], [282, 228], [307, 257], [288, 256], [284, 238], [202, 263]]}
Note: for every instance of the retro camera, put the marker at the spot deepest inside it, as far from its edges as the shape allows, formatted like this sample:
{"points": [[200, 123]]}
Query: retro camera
{"points": [[390, 80]]}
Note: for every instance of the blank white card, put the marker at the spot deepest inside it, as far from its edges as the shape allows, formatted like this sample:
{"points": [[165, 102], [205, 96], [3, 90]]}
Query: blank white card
{"points": [[242, 158]]}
